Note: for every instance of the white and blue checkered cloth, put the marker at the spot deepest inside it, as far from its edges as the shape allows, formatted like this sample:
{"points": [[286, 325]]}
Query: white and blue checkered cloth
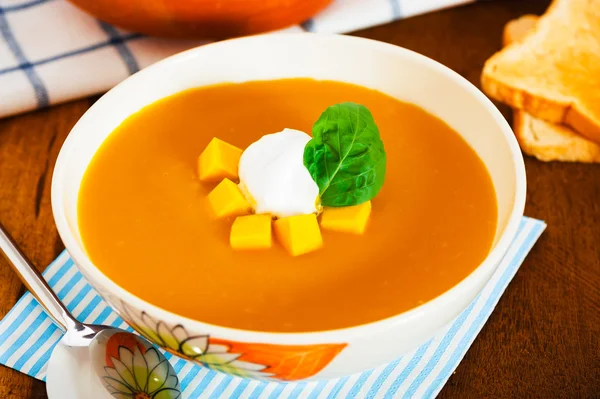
{"points": [[52, 52], [27, 337]]}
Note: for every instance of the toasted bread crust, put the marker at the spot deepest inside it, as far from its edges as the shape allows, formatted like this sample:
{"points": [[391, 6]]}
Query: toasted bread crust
{"points": [[543, 108], [538, 138], [518, 29], [553, 73], [549, 142]]}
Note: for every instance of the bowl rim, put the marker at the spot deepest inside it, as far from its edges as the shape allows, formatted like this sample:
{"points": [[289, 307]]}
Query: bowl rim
{"points": [[345, 334]]}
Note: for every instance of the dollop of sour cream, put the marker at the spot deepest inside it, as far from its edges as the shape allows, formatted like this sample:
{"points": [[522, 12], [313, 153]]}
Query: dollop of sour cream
{"points": [[274, 178]]}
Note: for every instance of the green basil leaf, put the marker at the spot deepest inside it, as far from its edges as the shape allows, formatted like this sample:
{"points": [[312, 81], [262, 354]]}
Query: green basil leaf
{"points": [[346, 157]]}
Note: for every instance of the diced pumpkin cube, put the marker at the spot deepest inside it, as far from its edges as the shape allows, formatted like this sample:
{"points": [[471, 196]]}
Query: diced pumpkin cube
{"points": [[251, 232], [227, 200], [349, 219], [299, 234], [218, 161]]}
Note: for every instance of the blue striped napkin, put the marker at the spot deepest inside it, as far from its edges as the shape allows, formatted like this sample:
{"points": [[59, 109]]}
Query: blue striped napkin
{"points": [[51, 52], [27, 337]]}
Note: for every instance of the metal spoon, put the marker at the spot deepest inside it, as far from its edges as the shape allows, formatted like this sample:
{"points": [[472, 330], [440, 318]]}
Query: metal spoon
{"points": [[127, 364]]}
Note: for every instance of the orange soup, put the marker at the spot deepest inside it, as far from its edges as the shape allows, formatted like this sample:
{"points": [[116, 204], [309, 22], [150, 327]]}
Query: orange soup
{"points": [[144, 221]]}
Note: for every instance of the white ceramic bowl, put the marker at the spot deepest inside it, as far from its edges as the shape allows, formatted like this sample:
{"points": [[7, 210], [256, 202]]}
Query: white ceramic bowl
{"points": [[393, 70]]}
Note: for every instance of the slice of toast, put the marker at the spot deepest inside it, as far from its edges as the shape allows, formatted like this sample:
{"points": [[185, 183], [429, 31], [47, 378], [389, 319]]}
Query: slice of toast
{"points": [[538, 138], [553, 73], [549, 142]]}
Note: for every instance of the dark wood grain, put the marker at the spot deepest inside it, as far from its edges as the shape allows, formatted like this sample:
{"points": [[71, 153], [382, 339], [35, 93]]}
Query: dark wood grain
{"points": [[542, 341]]}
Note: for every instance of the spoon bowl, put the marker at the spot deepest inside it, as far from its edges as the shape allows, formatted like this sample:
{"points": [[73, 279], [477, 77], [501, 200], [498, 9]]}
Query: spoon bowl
{"points": [[70, 376], [126, 364]]}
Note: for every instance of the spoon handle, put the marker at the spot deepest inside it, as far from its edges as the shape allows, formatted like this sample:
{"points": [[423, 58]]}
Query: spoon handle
{"points": [[32, 278]]}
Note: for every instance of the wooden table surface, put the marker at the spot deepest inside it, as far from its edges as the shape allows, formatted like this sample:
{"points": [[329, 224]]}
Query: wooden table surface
{"points": [[542, 341]]}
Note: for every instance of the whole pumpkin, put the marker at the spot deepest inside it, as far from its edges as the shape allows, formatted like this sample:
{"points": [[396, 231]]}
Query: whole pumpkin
{"points": [[210, 19]]}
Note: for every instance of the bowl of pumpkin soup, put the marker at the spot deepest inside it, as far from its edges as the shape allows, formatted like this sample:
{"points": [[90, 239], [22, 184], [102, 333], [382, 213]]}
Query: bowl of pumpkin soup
{"points": [[290, 206]]}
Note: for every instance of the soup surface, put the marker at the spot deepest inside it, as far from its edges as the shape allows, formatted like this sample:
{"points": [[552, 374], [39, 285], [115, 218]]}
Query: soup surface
{"points": [[145, 224]]}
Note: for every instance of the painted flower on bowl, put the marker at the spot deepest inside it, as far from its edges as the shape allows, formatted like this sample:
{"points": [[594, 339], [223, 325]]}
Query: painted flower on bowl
{"points": [[197, 348], [246, 360]]}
